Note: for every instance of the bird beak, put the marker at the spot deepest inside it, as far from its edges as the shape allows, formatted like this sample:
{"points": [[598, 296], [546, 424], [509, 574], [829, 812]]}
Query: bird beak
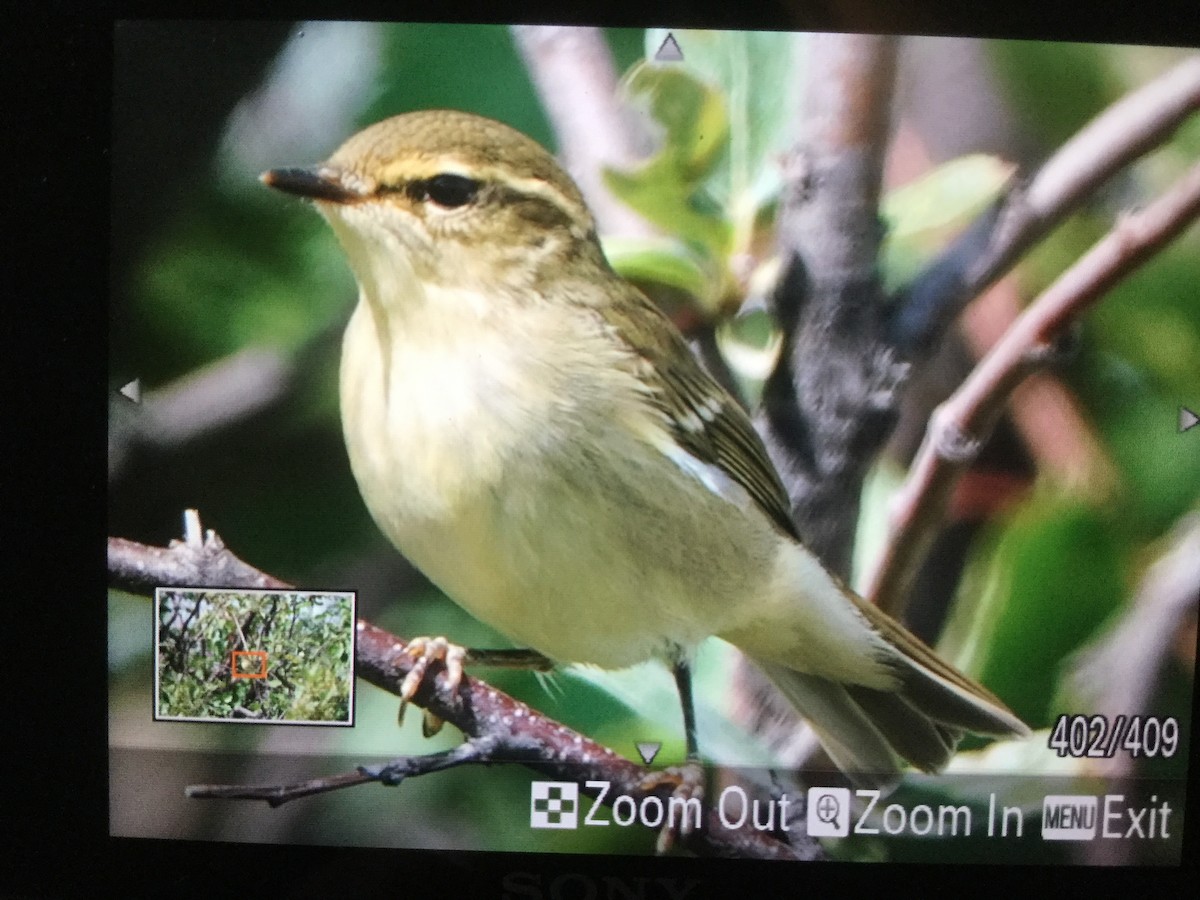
{"points": [[317, 183]]}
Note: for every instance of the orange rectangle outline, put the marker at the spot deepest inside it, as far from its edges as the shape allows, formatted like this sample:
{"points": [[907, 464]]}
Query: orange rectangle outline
{"points": [[234, 666]]}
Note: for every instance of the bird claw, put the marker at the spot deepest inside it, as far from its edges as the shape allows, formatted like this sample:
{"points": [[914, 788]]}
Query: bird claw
{"points": [[687, 783], [426, 650], [431, 724]]}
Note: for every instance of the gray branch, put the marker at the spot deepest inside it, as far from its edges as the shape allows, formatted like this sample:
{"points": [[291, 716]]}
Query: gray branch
{"points": [[830, 402], [960, 426]]}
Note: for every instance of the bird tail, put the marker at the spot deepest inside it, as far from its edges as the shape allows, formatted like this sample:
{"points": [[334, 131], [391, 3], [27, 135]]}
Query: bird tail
{"points": [[869, 733]]}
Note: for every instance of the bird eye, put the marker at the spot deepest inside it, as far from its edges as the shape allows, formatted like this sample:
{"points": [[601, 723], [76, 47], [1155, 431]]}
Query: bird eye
{"points": [[451, 190]]}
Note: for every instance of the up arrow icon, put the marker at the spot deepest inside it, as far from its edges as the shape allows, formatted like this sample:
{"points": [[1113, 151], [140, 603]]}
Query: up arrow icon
{"points": [[668, 50]]}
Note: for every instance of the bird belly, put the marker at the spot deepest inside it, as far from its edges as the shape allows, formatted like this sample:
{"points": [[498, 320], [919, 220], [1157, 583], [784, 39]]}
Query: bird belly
{"points": [[606, 557], [582, 572]]}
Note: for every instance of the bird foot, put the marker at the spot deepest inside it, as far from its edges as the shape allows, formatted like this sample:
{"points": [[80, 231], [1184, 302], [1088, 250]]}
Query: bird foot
{"points": [[424, 651], [687, 785]]}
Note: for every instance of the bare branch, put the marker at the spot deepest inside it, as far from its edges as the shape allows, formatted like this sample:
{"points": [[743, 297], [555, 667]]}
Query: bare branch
{"points": [[1130, 128], [1047, 415], [830, 401], [276, 794], [962, 423], [138, 568], [573, 72], [498, 727]]}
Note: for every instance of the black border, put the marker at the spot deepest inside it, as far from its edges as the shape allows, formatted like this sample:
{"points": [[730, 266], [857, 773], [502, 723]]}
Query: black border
{"points": [[58, 64]]}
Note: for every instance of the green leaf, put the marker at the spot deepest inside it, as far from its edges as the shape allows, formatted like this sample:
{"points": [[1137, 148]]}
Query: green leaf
{"points": [[657, 192], [660, 261], [723, 113], [924, 214], [691, 111], [667, 189], [759, 74]]}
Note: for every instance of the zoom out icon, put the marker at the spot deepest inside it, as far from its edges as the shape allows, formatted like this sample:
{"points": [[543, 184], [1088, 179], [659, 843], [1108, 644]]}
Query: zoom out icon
{"points": [[828, 812], [554, 804]]}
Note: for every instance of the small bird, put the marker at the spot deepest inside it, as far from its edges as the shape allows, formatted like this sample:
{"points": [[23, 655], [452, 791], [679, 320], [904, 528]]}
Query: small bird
{"points": [[534, 435]]}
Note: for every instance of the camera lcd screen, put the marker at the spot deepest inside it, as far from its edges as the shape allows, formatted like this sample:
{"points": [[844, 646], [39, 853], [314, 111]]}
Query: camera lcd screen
{"points": [[805, 210]]}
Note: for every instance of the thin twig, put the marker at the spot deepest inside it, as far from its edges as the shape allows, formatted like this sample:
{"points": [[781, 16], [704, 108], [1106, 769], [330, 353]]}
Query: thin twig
{"points": [[277, 794], [960, 425], [1131, 127]]}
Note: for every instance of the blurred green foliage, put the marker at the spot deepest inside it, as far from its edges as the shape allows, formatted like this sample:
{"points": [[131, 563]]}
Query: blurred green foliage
{"points": [[1062, 572], [1056, 87], [722, 116]]}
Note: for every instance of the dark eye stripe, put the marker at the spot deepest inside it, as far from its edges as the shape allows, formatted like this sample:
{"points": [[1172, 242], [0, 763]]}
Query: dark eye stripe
{"points": [[450, 191], [445, 190]]}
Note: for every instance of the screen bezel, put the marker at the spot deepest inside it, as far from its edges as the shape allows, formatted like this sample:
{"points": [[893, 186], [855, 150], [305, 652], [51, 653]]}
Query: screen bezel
{"points": [[75, 57]]}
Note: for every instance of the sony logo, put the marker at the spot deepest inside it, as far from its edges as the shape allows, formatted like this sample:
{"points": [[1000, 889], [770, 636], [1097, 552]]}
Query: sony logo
{"points": [[576, 886]]}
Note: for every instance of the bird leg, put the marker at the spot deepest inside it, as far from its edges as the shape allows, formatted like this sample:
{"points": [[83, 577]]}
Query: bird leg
{"points": [[687, 781], [426, 650]]}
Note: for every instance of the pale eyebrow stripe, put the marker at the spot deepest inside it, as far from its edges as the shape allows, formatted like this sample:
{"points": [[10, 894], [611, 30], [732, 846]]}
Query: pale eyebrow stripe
{"points": [[534, 187]]}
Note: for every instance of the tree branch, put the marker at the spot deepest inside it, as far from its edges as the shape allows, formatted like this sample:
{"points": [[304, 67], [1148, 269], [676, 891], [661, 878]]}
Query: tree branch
{"points": [[1128, 129], [196, 561], [498, 728], [961, 424], [830, 402]]}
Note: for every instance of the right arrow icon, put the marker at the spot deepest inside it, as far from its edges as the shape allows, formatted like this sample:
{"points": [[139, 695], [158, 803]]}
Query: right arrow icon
{"points": [[1187, 419]]}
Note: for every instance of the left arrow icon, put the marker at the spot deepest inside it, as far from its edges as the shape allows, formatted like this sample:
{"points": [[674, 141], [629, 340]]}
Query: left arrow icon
{"points": [[133, 391]]}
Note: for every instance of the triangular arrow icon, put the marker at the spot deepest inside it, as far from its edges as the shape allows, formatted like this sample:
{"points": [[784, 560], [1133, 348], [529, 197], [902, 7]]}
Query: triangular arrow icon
{"points": [[133, 391], [1187, 419], [668, 50], [647, 750]]}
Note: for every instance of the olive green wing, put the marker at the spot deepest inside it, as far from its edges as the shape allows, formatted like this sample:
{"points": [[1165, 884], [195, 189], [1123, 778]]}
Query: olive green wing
{"points": [[699, 414]]}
